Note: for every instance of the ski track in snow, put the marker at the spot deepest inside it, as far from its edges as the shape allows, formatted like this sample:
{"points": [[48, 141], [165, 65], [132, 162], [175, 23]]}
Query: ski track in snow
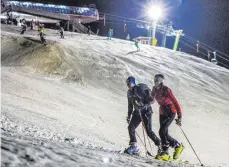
{"points": [[30, 152], [64, 104]]}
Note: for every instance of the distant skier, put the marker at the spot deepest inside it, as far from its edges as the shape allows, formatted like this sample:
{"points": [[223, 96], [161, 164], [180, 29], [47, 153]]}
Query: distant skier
{"points": [[23, 28], [58, 27], [9, 17], [41, 34], [139, 99], [168, 109], [31, 25], [110, 34], [89, 30], [37, 23], [136, 43], [23, 21], [61, 32]]}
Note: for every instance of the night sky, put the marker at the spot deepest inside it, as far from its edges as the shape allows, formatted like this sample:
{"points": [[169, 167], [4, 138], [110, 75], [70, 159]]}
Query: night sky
{"points": [[205, 20]]}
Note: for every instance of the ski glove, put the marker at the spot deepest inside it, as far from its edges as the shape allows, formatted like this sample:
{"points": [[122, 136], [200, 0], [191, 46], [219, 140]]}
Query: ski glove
{"points": [[128, 119], [178, 121]]}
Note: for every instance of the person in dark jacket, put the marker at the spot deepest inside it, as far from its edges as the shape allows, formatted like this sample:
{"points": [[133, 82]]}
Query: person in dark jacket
{"points": [[23, 28], [31, 25], [41, 33], [139, 108], [61, 32], [169, 106], [110, 33]]}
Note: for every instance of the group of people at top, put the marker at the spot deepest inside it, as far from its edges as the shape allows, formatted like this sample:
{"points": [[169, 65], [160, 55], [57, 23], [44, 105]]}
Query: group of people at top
{"points": [[40, 29]]}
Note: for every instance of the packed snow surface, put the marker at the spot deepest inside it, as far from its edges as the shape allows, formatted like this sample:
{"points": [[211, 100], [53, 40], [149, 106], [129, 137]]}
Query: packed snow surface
{"points": [[65, 104]]}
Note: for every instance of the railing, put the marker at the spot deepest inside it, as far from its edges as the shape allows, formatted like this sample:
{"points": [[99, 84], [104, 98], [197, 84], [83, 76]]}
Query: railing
{"points": [[81, 11], [58, 12], [80, 27]]}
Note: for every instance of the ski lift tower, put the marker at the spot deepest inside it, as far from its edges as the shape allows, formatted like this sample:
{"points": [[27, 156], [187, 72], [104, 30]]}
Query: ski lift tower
{"points": [[167, 30]]}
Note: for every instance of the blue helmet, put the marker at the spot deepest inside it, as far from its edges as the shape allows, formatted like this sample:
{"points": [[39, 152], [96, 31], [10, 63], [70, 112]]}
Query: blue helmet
{"points": [[131, 79]]}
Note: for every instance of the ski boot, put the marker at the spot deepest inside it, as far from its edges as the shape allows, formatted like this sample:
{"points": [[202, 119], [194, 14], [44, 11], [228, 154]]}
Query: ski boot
{"points": [[132, 150], [159, 150], [162, 153], [163, 156], [178, 151]]}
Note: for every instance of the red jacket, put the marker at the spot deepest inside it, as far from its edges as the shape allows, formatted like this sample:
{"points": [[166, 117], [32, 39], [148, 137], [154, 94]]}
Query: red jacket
{"points": [[164, 96]]}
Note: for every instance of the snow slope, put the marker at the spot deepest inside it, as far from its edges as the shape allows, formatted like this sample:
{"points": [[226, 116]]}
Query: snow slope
{"points": [[67, 101]]}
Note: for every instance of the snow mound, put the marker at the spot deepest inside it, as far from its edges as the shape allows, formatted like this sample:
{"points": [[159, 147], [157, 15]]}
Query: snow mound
{"points": [[57, 61]]}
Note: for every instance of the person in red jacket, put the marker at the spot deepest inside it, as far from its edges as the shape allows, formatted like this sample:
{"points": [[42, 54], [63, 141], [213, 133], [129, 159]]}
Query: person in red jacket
{"points": [[168, 109]]}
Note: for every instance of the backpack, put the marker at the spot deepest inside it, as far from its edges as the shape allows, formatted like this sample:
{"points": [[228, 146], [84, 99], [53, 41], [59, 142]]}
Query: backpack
{"points": [[145, 92]]}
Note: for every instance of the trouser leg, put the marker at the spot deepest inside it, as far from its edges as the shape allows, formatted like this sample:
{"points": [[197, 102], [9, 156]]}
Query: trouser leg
{"points": [[147, 119], [166, 139], [134, 122]]}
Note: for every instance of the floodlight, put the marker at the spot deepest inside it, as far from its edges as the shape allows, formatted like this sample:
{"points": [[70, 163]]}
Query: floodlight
{"points": [[155, 12]]}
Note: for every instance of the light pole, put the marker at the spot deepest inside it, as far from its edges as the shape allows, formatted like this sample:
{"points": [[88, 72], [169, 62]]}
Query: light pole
{"points": [[155, 13], [149, 34], [154, 25], [178, 34]]}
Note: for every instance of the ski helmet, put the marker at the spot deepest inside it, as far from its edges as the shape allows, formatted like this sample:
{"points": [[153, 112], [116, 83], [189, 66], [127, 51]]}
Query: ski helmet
{"points": [[131, 79], [158, 78]]}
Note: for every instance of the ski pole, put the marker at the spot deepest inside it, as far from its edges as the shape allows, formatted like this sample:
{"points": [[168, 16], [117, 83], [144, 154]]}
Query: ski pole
{"points": [[150, 144], [143, 144], [143, 125], [144, 139], [201, 164]]}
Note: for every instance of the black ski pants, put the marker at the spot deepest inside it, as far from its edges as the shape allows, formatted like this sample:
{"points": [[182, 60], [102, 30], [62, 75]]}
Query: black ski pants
{"points": [[147, 120], [166, 139], [61, 34], [23, 31], [42, 38]]}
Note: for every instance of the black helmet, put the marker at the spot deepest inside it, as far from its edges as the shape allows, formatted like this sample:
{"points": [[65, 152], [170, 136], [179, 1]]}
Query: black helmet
{"points": [[159, 76]]}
